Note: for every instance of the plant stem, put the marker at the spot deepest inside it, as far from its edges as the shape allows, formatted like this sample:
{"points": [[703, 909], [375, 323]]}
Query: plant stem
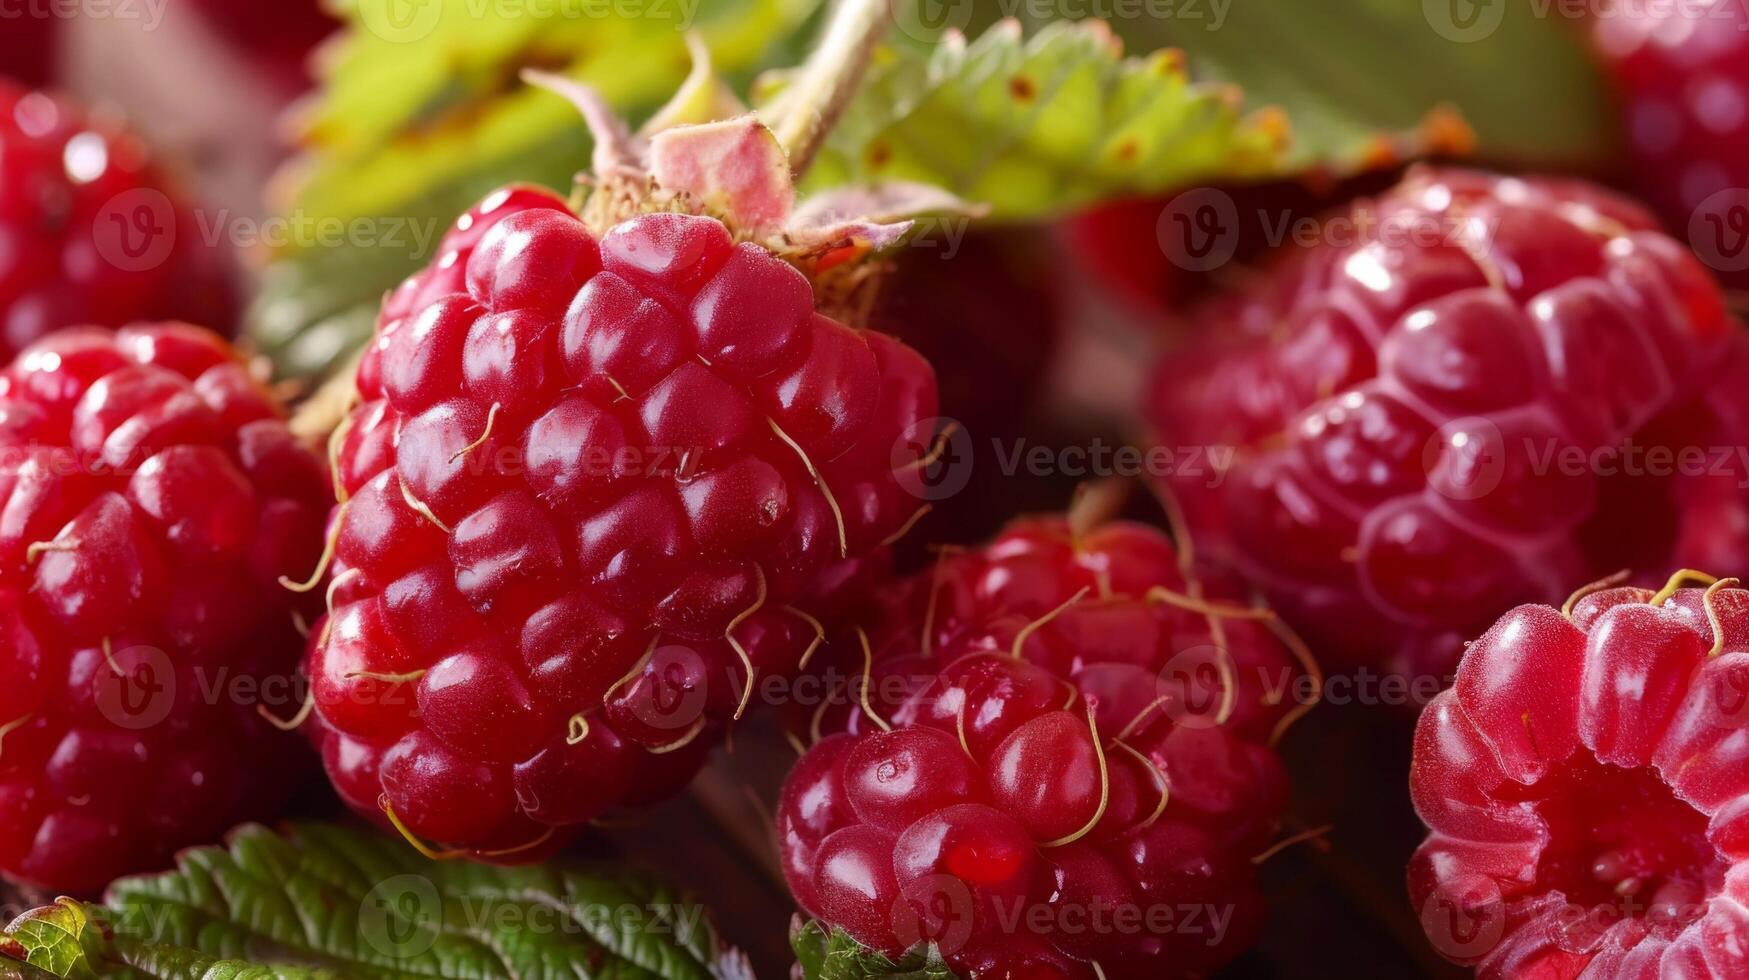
{"points": [[830, 77], [1097, 503]]}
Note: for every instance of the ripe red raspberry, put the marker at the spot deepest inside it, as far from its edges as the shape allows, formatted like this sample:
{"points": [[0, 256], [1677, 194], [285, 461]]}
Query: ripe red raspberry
{"points": [[150, 498], [90, 232], [1681, 71], [605, 476], [1062, 742], [1584, 785], [1449, 414]]}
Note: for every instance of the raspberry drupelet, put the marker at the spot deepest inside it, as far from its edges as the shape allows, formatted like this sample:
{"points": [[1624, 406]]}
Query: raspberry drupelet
{"points": [[1063, 721], [91, 232], [151, 496], [1417, 426], [606, 473], [1583, 783]]}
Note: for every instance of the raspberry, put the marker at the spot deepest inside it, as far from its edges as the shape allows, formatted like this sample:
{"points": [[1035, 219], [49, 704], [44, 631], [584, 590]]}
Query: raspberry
{"points": [[1681, 71], [1386, 432], [90, 232], [150, 498], [1058, 730], [1583, 784], [605, 475]]}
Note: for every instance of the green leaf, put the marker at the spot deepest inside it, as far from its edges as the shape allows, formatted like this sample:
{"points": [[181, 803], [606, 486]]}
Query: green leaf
{"points": [[833, 955], [52, 940], [1360, 76], [421, 113], [71, 940], [1030, 127], [325, 902], [438, 112], [1041, 126]]}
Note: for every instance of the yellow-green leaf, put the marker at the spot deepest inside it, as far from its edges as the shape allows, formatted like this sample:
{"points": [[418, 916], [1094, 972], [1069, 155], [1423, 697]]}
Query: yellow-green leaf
{"points": [[1043, 125]]}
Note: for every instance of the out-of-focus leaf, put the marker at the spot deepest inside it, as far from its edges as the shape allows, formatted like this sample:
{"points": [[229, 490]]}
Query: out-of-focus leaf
{"points": [[1359, 78]]}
